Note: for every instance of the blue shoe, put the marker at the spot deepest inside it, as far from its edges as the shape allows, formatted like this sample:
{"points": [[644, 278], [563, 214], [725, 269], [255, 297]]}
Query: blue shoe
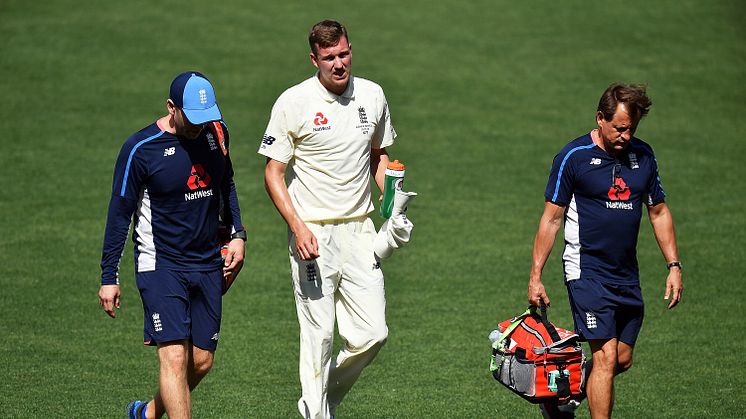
{"points": [[135, 409]]}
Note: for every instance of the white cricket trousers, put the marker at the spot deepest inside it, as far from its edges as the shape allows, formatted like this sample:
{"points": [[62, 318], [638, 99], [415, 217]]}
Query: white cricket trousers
{"points": [[345, 282]]}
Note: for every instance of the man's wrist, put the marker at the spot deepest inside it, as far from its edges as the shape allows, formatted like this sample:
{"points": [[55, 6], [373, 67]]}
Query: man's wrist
{"points": [[239, 235], [297, 225], [674, 264]]}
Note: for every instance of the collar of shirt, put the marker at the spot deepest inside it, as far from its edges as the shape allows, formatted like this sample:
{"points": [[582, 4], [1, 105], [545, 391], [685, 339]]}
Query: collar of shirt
{"points": [[330, 97]]}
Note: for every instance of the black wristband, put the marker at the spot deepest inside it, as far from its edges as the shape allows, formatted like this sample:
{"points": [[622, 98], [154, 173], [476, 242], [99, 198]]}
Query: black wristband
{"points": [[676, 264], [239, 235]]}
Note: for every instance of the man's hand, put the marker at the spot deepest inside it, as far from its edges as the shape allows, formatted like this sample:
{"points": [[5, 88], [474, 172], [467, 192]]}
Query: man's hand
{"points": [[108, 298], [674, 287], [537, 293], [233, 263], [306, 245], [305, 242]]}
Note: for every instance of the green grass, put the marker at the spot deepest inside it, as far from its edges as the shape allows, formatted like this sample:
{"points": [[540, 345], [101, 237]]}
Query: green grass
{"points": [[482, 93]]}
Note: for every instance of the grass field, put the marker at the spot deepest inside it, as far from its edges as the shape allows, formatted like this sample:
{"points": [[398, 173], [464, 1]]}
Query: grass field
{"points": [[483, 94]]}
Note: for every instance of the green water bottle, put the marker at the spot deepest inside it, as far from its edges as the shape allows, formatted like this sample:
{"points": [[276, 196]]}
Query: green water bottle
{"points": [[394, 180]]}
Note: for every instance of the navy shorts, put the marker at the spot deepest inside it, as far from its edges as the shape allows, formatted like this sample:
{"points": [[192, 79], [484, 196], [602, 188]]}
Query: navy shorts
{"points": [[605, 311], [181, 305]]}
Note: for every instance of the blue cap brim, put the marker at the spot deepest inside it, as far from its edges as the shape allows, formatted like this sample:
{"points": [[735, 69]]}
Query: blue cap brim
{"points": [[202, 116]]}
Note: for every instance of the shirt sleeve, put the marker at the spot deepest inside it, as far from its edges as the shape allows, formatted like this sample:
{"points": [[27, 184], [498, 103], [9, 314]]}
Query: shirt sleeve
{"points": [[560, 185], [277, 142], [232, 216], [385, 133], [655, 191], [129, 175]]}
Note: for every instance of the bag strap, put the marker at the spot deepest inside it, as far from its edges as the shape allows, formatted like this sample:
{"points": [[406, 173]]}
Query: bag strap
{"points": [[545, 321], [517, 320], [217, 129]]}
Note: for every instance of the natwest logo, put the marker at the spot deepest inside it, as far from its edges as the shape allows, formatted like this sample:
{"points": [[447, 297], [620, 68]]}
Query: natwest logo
{"points": [[619, 191], [199, 178], [320, 119]]}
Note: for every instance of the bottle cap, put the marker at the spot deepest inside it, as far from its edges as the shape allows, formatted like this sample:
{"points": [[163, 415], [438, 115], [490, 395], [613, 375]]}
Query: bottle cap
{"points": [[395, 165]]}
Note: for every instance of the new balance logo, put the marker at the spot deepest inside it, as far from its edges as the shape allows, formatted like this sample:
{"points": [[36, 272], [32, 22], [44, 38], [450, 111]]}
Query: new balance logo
{"points": [[169, 151], [376, 265], [215, 337], [595, 161], [267, 140]]}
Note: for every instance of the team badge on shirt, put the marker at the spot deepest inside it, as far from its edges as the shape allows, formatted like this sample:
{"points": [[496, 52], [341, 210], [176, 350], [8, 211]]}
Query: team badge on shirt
{"points": [[364, 125], [211, 141], [633, 161]]}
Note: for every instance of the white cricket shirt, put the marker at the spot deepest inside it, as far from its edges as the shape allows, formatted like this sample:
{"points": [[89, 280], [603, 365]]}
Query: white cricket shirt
{"points": [[326, 140]]}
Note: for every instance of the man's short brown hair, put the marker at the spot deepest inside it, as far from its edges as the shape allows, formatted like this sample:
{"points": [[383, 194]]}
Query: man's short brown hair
{"points": [[633, 96], [326, 33]]}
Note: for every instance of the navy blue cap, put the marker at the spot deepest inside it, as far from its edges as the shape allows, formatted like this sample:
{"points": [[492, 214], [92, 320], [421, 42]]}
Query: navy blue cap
{"points": [[193, 93]]}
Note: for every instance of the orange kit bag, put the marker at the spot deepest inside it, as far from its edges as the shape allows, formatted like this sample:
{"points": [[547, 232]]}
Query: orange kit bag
{"points": [[537, 360]]}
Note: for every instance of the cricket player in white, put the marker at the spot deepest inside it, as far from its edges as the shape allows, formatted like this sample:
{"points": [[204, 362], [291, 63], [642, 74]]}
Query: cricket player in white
{"points": [[331, 131]]}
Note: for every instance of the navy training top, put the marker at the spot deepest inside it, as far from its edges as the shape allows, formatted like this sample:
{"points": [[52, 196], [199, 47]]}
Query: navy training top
{"points": [[175, 188], [603, 196]]}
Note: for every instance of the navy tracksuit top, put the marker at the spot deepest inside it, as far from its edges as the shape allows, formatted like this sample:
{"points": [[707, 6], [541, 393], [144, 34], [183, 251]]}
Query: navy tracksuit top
{"points": [[171, 189]]}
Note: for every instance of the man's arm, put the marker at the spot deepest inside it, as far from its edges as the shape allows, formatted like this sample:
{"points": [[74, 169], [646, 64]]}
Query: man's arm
{"points": [[379, 160], [549, 225], [235, 255], [274, 182], [234, 258], [117, 225], [125, 193], [662, 222]]}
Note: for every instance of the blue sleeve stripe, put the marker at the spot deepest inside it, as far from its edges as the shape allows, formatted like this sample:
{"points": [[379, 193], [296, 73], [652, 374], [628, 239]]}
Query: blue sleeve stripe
{"points": [[562, 167], [129, 161]]}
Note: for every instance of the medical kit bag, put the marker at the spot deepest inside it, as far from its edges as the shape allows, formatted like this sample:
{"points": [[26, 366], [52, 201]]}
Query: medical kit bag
{"points": [[537, 360]]}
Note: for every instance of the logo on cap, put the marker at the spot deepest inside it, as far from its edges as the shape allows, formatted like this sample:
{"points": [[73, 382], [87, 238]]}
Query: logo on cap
{"points": [[202, 96]]}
